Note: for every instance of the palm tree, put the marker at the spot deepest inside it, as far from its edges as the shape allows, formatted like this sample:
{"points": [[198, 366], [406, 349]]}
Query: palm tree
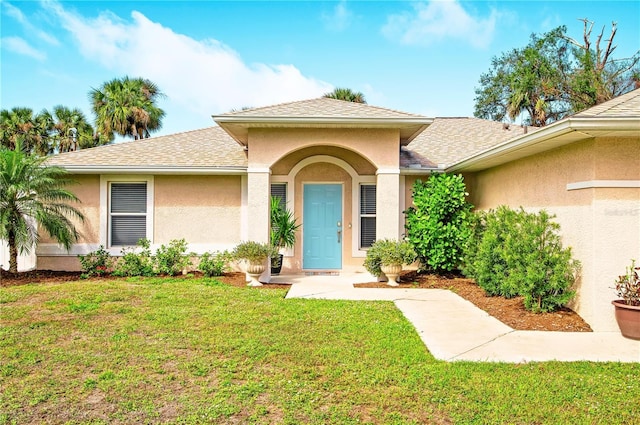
{"points": [[72, 131], [127, 107], [32, 130], [346, 94], [33, 195]]}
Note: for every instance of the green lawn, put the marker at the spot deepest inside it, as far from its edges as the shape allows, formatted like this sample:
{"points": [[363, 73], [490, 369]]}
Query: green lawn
{"points": [[195, 350]]}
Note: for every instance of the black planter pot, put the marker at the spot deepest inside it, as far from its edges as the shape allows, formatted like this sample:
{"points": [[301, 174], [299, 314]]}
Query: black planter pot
{"points": [[276, 264]]}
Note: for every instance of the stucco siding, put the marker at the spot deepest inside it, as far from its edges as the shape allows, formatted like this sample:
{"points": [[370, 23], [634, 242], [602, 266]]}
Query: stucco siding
{"points": [[540, 180], [617, 158], [200, 209], [87, 189], [380, 147], [284, 165]]}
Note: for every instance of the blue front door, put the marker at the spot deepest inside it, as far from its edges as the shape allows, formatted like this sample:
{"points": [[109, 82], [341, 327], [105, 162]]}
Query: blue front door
{"points": [[322, 226]]}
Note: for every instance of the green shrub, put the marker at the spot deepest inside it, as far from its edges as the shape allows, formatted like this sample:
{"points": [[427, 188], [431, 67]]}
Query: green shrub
{"points": [[547, 269], [388, 252], [135, 263], [521, 253], [477, 226], [97, 263], [214, 264], [172, 259], [254, 252], [438, 223], [494, 263]]}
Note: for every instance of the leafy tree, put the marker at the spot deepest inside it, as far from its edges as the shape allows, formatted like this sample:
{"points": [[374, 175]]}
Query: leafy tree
{"points": [[62, 130], [33, 195], [127, 107], [20, 123], [554, 76], [438, 225], [70, 130], [598, 77], [347, 95]]}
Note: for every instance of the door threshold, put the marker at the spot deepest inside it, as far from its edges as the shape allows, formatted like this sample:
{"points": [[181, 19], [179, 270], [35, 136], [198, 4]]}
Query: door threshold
{"points": [[322, 273]]}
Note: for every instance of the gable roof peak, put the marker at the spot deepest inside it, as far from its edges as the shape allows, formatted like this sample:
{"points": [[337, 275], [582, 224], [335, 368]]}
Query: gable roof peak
{"points": [[318, 107]]}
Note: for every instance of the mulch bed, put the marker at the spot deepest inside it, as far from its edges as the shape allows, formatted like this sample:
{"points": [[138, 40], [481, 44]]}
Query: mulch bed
{"points": [[509, 311]]}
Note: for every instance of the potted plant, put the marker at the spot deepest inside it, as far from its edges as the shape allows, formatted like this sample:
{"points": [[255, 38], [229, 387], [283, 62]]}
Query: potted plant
{"points": [[628, 307], [387, 256], [255, 255], [283, 232]]}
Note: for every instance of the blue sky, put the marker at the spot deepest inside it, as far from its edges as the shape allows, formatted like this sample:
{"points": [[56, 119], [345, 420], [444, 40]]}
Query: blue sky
{"points": [[211, 56]]}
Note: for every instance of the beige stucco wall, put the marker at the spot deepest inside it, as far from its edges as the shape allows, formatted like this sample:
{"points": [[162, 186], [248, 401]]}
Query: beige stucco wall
{"points": [[285, 164], [87, 189], [379, 146], [200, 209], [204, 210], [364, 151], [601, 225]]}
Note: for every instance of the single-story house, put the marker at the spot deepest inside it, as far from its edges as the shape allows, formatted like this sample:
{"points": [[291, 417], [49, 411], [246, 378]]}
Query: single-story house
{"points": [[346, 171]]}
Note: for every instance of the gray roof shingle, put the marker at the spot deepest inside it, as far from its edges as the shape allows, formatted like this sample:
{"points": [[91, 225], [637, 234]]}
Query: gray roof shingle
{"points": [[207, 147], [321, 108], [624, 106], [450, 139]]}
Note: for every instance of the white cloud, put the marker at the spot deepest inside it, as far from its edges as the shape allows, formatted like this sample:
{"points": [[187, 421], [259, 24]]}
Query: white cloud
{"points": [[202, 76], [340, 19], [22, 47], [438, 20], [17, 14]]}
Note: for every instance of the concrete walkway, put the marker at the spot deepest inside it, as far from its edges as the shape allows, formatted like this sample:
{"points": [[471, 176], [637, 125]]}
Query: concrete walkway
{"points": [[454, 329]]}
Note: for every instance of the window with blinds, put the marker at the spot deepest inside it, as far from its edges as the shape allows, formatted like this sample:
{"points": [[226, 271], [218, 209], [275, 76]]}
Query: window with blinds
{"points": [[279, 190], [367, 215], [127, 213]]}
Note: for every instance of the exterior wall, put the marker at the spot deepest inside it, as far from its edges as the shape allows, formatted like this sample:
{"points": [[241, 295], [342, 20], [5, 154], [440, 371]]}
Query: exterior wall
{"points": [[204, 210], [284, 165], [380, 147], [50, 256], [347, 156], [601, 225]]}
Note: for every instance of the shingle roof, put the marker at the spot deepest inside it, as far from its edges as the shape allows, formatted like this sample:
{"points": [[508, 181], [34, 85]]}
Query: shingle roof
{"points": [[207, 147], [444, 142], [447, 140], [321, 108], [624, 106]]}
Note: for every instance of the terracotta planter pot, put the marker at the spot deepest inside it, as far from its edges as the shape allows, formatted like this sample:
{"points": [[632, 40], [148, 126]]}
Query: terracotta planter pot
{"points": [[392, 273], [628, 318], [254, 271]]}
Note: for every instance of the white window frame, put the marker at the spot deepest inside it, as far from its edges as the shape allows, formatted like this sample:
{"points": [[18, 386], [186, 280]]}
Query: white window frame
{"points": [[361, 216], [105, 202]]}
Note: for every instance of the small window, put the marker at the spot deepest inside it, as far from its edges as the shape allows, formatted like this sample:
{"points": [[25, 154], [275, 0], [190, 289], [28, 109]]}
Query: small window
{"points": [[367, 215], [279, 190], [127, 213]]}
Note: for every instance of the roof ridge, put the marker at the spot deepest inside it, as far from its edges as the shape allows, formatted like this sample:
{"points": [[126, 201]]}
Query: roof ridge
{"points": [[257, 108], [323, 99]]}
